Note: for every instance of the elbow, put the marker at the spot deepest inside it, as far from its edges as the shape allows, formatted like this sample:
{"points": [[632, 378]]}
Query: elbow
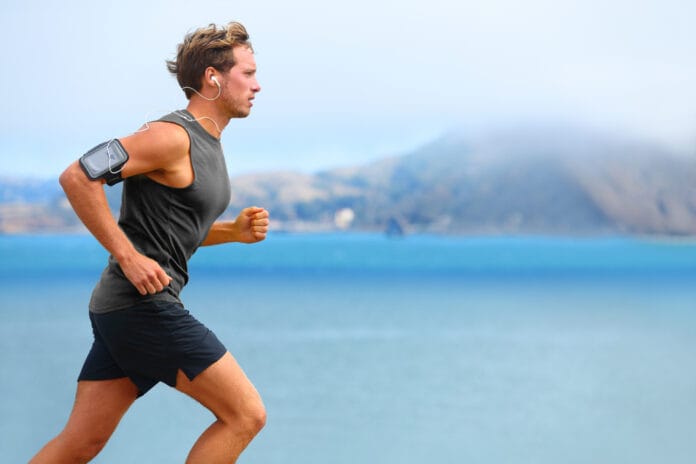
{"points": [[67, 177], [72, 178], [64, 179]]}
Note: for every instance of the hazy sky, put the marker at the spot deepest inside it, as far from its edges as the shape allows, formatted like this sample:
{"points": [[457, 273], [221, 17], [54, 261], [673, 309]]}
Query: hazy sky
{"points": [[343, 83]]}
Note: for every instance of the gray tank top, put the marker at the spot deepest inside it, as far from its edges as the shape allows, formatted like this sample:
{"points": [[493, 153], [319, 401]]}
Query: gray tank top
{"points": [[167, 224]]}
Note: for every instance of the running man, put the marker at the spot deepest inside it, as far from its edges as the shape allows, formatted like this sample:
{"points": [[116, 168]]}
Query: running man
{"points": [[175, 187]]}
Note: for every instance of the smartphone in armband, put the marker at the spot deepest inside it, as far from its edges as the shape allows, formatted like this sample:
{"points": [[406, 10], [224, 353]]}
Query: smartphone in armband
{"points": [[105, 161]]}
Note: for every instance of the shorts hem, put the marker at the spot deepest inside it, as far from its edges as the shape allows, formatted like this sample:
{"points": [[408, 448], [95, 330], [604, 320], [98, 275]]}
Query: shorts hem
{"points": [[150, 344], [191, 374]]}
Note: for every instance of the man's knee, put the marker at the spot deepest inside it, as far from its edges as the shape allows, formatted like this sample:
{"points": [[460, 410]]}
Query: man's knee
{"points": [[249, 415], [258, 418], [90, 449], [253, 416], [85, 448]]}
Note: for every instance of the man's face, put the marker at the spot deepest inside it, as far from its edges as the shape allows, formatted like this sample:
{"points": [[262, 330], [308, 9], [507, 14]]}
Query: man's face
{"points": [[239, 84]]}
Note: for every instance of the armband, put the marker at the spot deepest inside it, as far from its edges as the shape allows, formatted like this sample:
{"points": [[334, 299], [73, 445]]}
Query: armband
{"points": [[105, 161]]}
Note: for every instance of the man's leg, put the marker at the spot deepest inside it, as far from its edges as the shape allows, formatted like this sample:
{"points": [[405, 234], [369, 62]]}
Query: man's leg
{"points": [[226, 391], [99, 406]]}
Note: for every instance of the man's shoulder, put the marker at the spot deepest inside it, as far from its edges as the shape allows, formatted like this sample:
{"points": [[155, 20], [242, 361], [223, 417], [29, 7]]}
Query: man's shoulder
{"points": [[157, 145], [165, 135]]}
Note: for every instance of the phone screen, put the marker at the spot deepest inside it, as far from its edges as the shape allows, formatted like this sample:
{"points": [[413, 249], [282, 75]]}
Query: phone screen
{"points": [[105, 157]]}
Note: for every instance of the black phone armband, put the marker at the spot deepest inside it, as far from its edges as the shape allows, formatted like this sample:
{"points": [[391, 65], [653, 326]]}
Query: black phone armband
{"points": [[105, 161]]}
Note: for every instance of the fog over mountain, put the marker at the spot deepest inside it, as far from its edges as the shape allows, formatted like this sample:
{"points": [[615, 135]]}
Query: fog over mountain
{"points": [[531, 181], [557, 181]]}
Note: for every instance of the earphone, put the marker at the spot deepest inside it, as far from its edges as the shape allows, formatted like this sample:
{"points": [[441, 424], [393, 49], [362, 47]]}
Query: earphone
{"points": [[182, 115], [146, 127], [212, 78]]}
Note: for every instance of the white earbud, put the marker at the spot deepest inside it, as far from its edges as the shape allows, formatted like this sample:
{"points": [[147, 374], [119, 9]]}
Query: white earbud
{"points": [[212, 78]]}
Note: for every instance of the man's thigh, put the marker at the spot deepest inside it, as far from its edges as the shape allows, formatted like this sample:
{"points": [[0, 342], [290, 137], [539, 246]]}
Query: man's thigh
{"points": [[99, 406], [223, 388]]}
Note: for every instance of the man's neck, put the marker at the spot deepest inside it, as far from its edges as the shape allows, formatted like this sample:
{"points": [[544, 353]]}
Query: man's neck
{"points": [[208, 115]]}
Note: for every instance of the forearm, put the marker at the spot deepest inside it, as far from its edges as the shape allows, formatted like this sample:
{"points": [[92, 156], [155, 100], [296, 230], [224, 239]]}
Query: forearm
{"points": [[221, 232], [89, 202], [250, 227]]}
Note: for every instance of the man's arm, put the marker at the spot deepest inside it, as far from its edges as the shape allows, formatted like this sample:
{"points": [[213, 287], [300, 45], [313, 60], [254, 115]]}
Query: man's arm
{"points": [[251, 226], [160, 149]]}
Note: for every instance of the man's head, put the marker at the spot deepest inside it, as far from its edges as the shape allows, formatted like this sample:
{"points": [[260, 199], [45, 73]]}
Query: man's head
{"points": [[204, 48]]}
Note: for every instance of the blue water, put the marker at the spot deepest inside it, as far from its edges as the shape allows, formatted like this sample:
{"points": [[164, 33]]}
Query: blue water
{"points": [[370, 350]]}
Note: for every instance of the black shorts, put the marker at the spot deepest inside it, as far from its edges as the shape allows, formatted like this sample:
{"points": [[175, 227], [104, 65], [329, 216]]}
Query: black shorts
{"points": [[149, 343]]}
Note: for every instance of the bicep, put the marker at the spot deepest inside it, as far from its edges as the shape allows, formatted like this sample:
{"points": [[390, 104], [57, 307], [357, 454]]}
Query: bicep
{"points": [[156, 148]]}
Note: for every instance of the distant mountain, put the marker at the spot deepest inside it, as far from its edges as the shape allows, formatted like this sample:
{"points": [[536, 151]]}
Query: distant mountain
{"points": [[32, 205], [525, 182], [28, 190], [551, 181]]}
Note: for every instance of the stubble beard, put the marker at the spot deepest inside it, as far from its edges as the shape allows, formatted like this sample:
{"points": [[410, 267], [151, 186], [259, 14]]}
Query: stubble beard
{"points": [[239, 109]]}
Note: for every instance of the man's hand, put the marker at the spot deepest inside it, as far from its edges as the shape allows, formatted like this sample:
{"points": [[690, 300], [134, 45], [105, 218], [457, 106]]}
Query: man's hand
{"points": [[144, 273], [251, 225]]}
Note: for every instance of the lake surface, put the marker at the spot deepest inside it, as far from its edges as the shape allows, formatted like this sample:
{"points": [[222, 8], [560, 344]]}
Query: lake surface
{"points": [[373, 350]]}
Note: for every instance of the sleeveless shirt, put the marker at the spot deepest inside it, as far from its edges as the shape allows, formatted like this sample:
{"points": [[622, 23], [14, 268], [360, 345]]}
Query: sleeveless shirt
{"points": [[165, 223]]}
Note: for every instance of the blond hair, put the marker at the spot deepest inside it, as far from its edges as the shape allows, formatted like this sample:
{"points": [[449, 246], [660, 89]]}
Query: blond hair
{"points": [[204, 47]]}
